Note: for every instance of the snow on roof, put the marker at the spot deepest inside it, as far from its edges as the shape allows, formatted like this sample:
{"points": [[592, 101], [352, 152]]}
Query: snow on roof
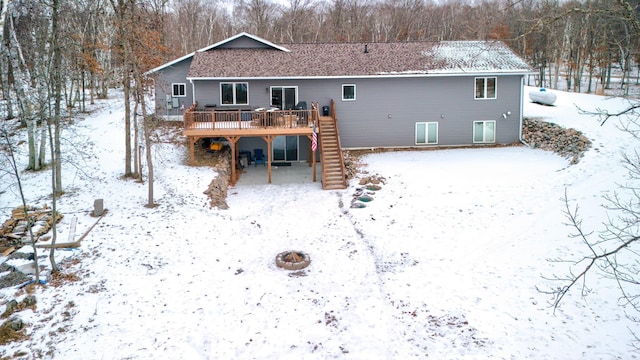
{"points": [[359, 60]]}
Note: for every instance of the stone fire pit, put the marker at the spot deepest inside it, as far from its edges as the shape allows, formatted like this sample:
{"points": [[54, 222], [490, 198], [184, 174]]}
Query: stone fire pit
{"points": [[293, 260]]}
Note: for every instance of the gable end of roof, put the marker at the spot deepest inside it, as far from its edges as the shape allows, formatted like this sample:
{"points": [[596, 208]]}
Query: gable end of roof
{"points": [[170, 63], [247, 35]]}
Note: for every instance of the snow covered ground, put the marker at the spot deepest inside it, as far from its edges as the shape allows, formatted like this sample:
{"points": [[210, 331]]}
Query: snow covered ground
{"points": [[444, 263]]}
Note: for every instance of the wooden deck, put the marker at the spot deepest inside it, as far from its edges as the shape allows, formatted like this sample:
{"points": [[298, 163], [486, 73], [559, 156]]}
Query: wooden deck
{"points": [[233, 125], [248, 123]]}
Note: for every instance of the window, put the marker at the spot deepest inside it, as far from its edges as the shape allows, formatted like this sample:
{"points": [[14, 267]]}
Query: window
{"points": [[348, 92], [426, 133], [178, 90], [484, 131], [486, 88], [234, 93], [284, 97]]}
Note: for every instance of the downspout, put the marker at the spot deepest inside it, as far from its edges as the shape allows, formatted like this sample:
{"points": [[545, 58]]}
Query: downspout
{"points": [[522, 112], [193, 92]]}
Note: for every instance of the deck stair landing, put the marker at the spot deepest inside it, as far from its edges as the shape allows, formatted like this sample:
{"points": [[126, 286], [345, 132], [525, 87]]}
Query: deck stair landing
{"points": [[333, 172]]}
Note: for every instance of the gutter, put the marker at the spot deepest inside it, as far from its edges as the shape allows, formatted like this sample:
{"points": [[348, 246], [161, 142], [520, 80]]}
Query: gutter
{"points": [[522, 113]]}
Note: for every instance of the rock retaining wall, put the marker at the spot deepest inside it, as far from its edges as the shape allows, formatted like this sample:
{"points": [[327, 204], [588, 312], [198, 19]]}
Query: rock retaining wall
{"points": [[569, 143], [218, 187]]}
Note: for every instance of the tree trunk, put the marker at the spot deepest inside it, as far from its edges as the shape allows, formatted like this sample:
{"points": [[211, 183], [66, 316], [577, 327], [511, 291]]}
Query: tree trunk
{"points": [[127, 124], [42, 153], [23, 93], [54, 207], [56, 153], [147, 141], [136, 136]]}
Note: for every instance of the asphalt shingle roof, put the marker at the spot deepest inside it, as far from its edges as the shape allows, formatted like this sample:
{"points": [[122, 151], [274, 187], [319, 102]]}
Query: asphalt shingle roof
{"points": [[350, 60]]}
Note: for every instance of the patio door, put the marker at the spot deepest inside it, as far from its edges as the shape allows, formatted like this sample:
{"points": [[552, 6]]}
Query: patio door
{"points": [[285, 148], [284, 97]]}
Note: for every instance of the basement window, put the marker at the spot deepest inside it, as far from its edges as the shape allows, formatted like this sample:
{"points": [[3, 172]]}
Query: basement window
{"points": [[426, 133], [484, 131]]}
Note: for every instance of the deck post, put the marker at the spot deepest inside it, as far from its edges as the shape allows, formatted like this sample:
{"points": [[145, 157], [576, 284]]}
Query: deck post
{"points": [[233, 140], [268, 139], [233, 161], [313, 160], [192, 156]]}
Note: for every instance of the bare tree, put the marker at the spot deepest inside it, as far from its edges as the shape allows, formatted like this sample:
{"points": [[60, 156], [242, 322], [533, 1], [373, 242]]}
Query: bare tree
{"points": [[614, 251], [256, 16], [124, 21], [28, 94]]}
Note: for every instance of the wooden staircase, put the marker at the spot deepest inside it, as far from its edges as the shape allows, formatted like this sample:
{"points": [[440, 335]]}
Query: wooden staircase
{"points": [[333, 172]]}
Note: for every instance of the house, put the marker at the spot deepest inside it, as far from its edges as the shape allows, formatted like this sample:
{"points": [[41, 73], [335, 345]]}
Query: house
{"points": [[258, 94]]}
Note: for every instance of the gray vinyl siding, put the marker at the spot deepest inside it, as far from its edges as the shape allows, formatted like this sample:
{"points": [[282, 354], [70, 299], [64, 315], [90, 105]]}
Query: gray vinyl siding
{"points": [[381, 117], [243, 43], [208, 92], [176, 73], [386, 110]]}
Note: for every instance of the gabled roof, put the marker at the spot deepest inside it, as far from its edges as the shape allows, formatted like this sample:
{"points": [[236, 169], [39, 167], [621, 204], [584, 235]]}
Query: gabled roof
{"points": [[244, 35], [257, 39], [351, 60], [170, 63]]}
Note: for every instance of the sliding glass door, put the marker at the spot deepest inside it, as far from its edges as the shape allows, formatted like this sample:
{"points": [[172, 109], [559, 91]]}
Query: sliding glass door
{"points": [[284, 97], [285, 148]]}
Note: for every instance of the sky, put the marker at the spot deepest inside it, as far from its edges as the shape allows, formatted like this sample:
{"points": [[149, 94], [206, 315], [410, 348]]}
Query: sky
{"points": [[449, 261]]}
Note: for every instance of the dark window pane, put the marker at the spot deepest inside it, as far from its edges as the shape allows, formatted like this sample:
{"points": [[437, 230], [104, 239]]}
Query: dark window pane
{"points": [[349, 92], [479, 88], [241, 94], [227, 93], [491, 88]]}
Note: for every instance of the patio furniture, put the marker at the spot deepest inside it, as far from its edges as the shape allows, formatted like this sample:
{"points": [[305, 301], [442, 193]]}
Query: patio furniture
{"points": [[258, 157]]}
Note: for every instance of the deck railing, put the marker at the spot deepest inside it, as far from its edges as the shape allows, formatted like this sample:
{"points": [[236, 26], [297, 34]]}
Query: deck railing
{"points": [[248, 119]]}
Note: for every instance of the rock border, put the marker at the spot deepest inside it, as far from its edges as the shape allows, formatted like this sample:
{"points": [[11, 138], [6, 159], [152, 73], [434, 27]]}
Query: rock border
{"points": [[569, 143]]}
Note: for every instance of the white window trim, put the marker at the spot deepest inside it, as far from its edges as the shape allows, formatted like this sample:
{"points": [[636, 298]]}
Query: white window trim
{"points": [[235, 100], [495, 130], [184, 86], [354, 92], [282, 86], [426, 124], [485, 88]]}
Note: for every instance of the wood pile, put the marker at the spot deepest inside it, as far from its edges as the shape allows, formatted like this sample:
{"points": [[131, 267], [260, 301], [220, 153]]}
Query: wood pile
{"points": [[14, 232]]}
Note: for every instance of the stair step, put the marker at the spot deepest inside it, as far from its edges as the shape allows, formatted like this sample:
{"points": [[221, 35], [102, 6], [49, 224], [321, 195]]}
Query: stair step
{"points": [[335, 187], [332, 168]]}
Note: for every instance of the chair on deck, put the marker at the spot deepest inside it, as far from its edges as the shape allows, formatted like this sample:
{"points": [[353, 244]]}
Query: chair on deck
{"points": [[258, 157], [302, 119]]}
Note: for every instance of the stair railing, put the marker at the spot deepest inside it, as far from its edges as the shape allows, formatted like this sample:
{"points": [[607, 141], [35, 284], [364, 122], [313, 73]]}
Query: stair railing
{"points": [[335, 124]]}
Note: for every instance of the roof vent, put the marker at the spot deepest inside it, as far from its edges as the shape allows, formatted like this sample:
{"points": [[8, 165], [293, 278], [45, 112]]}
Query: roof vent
{"points": [[366, 48]]}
